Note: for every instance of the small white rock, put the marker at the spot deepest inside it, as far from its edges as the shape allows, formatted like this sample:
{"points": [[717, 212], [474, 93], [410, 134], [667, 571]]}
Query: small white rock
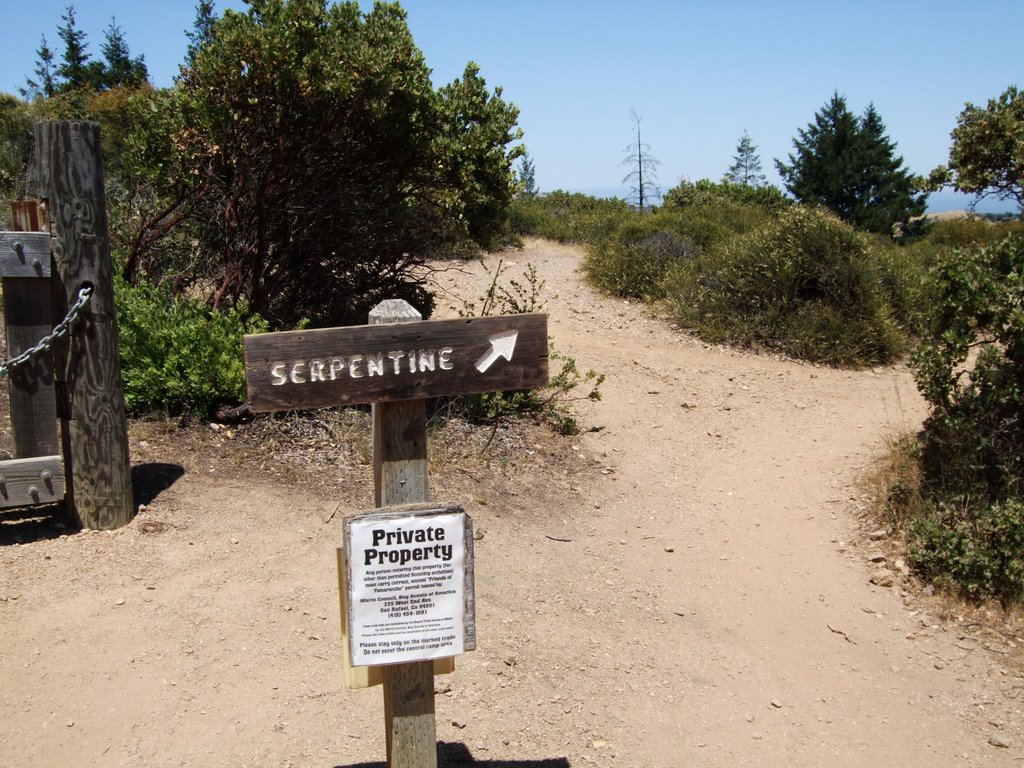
{"points": [[999, 740]]}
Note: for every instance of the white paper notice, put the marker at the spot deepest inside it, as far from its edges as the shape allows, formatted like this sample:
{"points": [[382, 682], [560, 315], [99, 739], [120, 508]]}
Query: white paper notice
{"points": [[408, 589]]}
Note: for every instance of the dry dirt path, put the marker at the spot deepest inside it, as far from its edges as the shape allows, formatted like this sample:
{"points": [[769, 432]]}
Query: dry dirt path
{"points": [[674, 588], [710, 610]]}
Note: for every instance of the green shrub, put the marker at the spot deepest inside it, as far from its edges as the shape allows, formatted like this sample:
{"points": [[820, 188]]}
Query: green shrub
{"points": [[567, 217], [176, 355], [969, 232], [710, 214], [634, 257], [966, 512], [805, 284], [690, 194], [971, 372], [902, 277], [975, 550]]}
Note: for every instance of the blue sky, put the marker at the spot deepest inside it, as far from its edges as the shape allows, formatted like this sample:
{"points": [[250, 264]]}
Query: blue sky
{"points": [[698, 73]]}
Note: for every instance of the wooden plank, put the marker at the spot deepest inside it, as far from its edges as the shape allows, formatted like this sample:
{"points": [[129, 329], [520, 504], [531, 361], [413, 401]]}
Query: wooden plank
{"points": [[409, 715], [87, 364], [27, 320], [30, 216], [33, 415], [400, 477], [28, 482], [25, 254], [391, 362], [399, 435]]}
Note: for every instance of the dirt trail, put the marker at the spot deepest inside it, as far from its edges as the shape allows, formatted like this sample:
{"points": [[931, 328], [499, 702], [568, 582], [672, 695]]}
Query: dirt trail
{"points": [[680, 590]]}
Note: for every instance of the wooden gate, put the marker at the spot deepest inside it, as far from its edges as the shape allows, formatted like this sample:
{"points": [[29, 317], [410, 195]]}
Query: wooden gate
{"points": [[62, 342]]}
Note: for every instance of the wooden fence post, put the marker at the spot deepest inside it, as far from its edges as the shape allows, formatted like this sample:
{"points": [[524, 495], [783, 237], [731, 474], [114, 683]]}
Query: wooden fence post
{"points": [[400, 477], [87, 364]]}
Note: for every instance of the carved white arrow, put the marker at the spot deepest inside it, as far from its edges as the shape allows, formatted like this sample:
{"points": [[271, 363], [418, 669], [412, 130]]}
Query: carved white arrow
{"points": [[502, 345]]}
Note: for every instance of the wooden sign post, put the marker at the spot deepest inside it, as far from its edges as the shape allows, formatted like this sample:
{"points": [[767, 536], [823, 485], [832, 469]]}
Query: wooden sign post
{"points": [[396, 362]]}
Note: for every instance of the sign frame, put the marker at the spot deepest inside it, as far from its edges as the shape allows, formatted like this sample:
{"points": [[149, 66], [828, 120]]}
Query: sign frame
{"points": [[391, 516]]}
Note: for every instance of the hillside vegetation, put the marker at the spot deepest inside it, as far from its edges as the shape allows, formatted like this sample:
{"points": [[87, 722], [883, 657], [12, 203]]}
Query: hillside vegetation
{"points": [[303, 167], [748, 267]]}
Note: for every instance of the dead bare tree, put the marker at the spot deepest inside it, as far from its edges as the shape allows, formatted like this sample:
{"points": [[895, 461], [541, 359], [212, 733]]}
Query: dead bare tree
{"points": [[643, 166]]}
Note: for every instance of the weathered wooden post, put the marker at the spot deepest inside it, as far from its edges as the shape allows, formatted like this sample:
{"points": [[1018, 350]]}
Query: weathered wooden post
{"points": [[397, 362], [400, 477], [87, 363]]}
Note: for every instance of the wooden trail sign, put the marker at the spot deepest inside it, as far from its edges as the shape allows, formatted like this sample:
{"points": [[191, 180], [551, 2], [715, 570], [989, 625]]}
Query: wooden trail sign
{"points": [[386, 363], [396, 362]]}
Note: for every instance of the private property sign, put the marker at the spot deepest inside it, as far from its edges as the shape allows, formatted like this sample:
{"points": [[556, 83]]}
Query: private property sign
{"points": [[403, 361], [407, 584]]}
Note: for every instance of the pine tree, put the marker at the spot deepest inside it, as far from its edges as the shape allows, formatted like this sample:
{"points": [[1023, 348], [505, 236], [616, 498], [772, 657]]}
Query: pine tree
{"points": [[746, 168], [887, 191], [848, 166], [527, 175], [201, 32], [75, 69], [121, 68], [642, 177], [45, 85]]}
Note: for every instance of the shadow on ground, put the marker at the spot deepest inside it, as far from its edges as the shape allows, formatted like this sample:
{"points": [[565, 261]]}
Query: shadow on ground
{"points": [[454, 755], [28, 524], [150, 480]]}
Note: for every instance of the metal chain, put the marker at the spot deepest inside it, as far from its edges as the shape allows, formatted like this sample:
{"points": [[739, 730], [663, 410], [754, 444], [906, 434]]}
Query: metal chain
{"points": [[61, 329]]}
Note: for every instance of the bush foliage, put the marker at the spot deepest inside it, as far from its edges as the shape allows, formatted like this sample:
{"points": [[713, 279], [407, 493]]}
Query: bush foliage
{"points": [[976, 550], [805, 284], [307, 153], [958, 494], [971, 372], [568, 217], [629, 252], [178, 356]]}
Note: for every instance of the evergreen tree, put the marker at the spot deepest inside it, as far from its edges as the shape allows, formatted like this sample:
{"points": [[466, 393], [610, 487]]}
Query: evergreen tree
{"points": [[121, 68], [45, 85], [76, 70], [848, 166], [746, 168], [201, 32], [527, 175], [887, 191]]}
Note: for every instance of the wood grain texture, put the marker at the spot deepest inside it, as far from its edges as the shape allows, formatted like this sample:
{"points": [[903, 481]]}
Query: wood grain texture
{"points": [[25, 254], [87, 366], [33, 415], [28, 482], [469, 615], [352, 382], [27, 320], [400, 477], [409, 711]]}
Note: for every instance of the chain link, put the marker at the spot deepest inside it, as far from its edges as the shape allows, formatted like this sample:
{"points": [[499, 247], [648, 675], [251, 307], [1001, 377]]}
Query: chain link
{"points": [[61, 329]]}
